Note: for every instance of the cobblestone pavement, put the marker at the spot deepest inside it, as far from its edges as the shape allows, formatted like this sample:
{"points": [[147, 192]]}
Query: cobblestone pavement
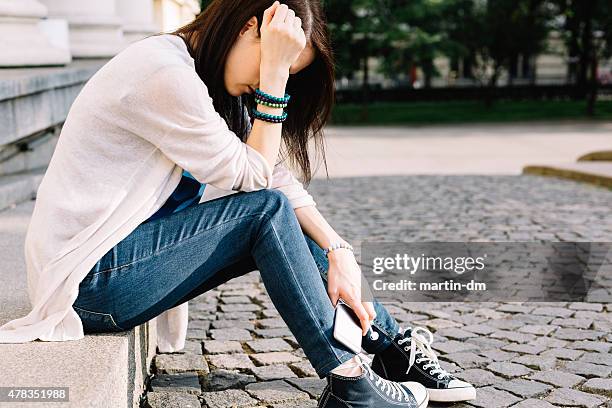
{"points": [[240, 353]]}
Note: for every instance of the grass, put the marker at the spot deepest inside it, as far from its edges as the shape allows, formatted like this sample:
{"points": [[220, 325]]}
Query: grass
{"points": [[395, 113]]}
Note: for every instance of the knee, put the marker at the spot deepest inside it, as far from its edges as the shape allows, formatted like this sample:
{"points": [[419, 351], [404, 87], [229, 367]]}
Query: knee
{"points": [[276, 211], [276, 204], [272, 201]]}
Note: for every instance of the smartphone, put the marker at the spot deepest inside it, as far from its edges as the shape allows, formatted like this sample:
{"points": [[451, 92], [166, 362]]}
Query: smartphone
{"points": [[347, 327]]}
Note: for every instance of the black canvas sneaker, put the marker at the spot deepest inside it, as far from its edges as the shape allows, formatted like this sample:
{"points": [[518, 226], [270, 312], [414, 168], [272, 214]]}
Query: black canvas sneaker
{"points": [[371, 391], [410, 358]]}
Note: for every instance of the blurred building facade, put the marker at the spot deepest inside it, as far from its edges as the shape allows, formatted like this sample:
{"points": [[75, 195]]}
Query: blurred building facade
{"points": [[49, 49], [52, 32]]}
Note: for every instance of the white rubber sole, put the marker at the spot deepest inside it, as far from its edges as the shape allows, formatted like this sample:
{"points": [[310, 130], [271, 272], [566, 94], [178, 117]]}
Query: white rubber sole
{"points": [[452, 394], [419, 392], [425, 403]]}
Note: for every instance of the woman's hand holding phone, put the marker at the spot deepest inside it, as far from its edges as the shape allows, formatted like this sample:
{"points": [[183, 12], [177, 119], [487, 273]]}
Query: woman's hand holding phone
{"points": [[344, 281]]}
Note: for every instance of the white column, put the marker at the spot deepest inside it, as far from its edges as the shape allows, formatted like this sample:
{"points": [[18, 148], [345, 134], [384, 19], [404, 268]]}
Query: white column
{"points": [[137, 16], [189, 10], [22, 42], [172, 14], [95, 27]]}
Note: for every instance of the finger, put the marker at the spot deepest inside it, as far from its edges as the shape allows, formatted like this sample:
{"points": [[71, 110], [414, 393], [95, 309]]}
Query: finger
{"points": [[280, 14], [369, 308], [333, 295], [361, 313], [297, 22], [269, 12], [289, 17], [363, 316]]}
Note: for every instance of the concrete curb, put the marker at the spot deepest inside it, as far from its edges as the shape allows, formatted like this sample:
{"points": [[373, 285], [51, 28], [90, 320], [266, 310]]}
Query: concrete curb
{"points": [[605, 155], [593, 172]]}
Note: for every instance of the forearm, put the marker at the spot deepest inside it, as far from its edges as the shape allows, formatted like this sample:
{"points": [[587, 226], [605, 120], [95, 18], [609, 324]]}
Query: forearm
{"points": [[265, 137], [343, 274], [316, 227]]}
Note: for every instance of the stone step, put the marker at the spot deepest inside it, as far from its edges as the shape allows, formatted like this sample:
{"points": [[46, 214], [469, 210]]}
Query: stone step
{"points": [[101, 370], [42, 96], [591, 171], [19, 187]]}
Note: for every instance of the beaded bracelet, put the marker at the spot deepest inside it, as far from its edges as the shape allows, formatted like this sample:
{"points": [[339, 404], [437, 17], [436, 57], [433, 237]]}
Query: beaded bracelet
{"points": [[337, 245], [282, 101], [265, 102], [269, 100], [268, 117], [273, 99]]}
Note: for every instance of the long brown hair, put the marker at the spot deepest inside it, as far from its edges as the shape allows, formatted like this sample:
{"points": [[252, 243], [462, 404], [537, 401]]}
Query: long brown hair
{"points": [[215, 30]]}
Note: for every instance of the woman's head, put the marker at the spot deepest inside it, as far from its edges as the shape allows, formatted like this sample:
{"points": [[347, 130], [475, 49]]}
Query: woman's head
{"points": [[224, 41], [243, 61]]}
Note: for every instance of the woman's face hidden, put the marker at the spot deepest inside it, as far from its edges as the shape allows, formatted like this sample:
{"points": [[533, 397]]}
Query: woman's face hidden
{"points": [[241, 74]]}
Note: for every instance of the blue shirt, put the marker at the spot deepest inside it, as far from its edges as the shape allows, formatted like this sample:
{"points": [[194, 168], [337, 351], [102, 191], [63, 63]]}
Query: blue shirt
{"points": [[186, 194]]}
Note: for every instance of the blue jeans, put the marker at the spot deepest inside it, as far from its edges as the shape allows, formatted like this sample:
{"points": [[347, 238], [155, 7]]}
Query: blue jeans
{"points": [[170, 260]]}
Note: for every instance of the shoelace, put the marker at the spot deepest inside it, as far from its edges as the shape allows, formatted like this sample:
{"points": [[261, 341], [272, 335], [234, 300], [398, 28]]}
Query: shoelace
{"points": [[420, 344], [390, 388]]}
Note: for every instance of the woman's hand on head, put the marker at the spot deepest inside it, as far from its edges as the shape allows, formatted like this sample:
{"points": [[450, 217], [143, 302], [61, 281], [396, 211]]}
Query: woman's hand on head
{"points": [[282, 39], [344, 281]]}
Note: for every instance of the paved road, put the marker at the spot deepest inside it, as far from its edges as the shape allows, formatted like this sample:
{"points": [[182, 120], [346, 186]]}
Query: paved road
{"points": [[459, 149], [519, 354]]}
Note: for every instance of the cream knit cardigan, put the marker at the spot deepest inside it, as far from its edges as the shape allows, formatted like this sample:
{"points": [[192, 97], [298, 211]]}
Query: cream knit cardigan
{"points": [[137, 123]]}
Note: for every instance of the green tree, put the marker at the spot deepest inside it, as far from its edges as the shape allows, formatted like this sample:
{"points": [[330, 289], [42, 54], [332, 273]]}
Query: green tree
{"points": [[492, 33], [488, 34], [341, 21], [357, 30], [413, 37], [462, 23], [509, 28], [587, 29]]}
